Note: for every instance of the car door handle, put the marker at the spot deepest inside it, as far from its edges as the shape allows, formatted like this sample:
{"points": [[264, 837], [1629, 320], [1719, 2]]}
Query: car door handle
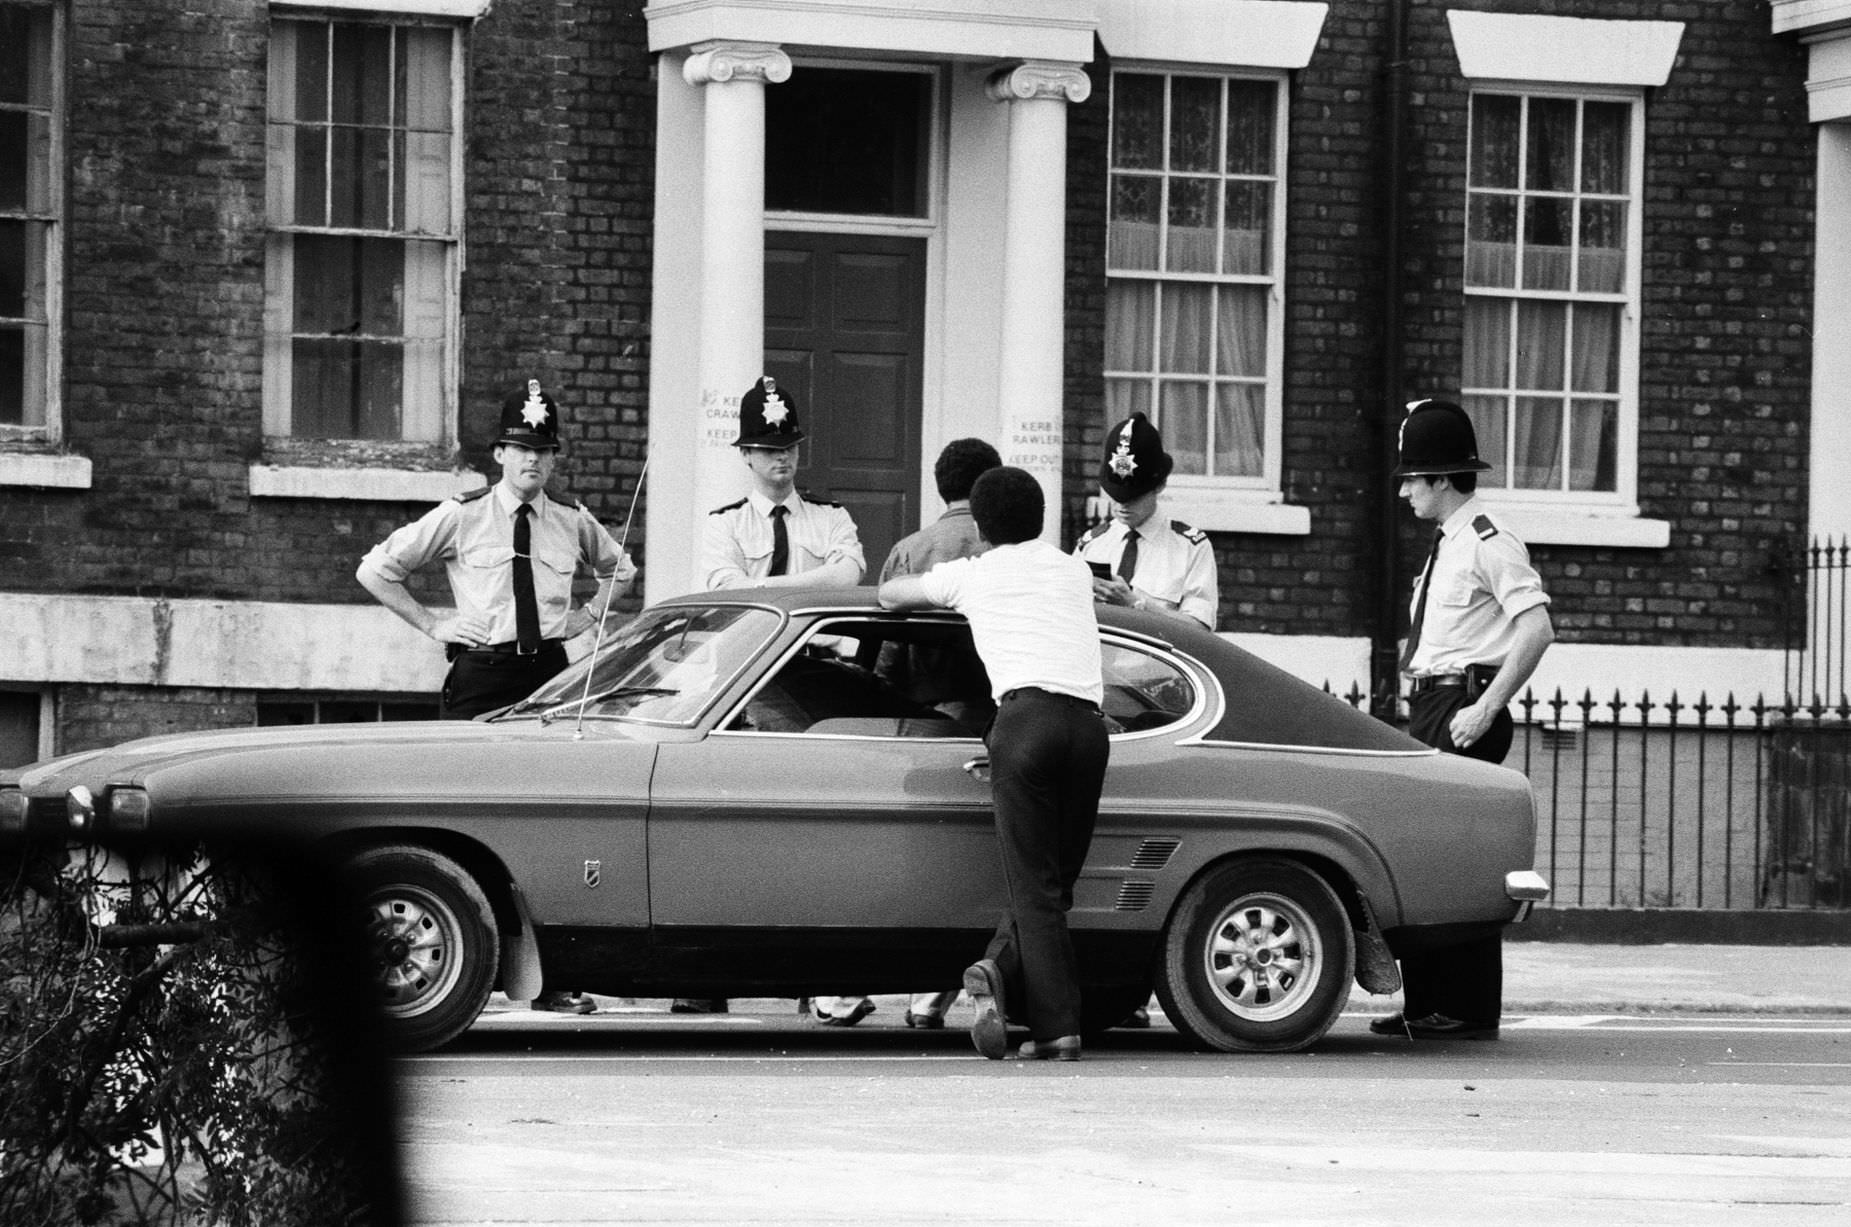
{"points": [[978, 768]]}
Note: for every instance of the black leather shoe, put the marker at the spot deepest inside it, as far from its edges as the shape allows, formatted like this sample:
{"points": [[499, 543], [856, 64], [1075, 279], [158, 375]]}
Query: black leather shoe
{"points": [[925, 1022], [1065, 1048], [555, 1001], [862, 1009], [1137, 1020], [1440, 1027], [983, 980], [1392, 1024]]}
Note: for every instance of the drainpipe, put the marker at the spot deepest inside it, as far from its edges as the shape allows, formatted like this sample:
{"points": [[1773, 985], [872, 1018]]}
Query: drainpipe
{"points": [[1384, 674]]}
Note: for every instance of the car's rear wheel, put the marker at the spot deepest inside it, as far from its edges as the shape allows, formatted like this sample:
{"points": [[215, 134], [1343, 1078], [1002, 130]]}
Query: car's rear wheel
{"points": [[431, 942], [1257, 958]]}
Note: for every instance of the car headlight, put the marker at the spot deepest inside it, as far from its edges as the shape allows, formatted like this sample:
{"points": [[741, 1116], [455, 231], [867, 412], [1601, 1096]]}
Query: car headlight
{"points": [[125, 812], [80, 810], [13, 807]]}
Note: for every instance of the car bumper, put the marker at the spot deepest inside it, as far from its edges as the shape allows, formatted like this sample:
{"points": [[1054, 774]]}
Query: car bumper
{"points": [[1527, 888]]}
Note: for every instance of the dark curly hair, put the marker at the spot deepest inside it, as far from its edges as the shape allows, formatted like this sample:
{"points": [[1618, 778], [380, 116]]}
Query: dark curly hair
{"points": [[960, 465], [1007, 504]]}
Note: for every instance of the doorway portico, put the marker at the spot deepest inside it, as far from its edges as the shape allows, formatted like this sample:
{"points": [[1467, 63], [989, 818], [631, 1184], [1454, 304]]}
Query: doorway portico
{"points": [[991, 223]]}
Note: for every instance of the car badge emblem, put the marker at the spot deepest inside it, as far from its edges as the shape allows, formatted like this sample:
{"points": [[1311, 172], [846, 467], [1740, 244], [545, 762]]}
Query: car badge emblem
{"points": [[594, 873], [1122, 462], [534, 411]]}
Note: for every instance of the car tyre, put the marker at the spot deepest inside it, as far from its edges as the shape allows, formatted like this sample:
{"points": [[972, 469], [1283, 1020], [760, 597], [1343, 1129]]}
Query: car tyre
{"points": [[430, 940], [1257, 957]]}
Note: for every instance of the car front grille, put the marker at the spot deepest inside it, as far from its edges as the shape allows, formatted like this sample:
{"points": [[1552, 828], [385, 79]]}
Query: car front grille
{"points": [[1154, 854], [1134, 896]]}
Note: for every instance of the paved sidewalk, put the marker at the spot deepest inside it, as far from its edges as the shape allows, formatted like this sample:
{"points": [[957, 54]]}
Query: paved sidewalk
{"points": [[1559, 978]]}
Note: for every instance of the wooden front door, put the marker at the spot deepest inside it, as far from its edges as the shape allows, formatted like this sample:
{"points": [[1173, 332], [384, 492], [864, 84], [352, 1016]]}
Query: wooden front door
{"points": [[845, 331]]}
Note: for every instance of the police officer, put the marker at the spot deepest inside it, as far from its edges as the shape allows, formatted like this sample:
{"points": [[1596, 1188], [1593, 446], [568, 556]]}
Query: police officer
{"points": [[775, 535], [511, 552], [1479, 623], [1152, 563]]}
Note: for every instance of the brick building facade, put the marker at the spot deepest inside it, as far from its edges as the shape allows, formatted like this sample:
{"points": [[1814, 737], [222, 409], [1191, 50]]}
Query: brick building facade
{"points": [[181, 555]]}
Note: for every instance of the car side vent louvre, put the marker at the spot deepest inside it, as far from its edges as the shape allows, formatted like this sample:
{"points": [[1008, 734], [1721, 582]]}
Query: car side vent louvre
{"points": [[1134, 896], [1154, 854]]}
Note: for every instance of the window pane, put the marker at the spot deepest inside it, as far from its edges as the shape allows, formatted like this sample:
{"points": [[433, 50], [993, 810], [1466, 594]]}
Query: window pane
{"points": [[1195, 123], [13, 375], [1137, 121], [13, 274], [1190, 240], [1241, 331], [1601, 264], [1487, 414], [361, 192], [1487, 342], [1240, 429], [1597, 349], [1594, 446], [1124, 397], [1183, 419], [1188, 329], [346, 389], [346, 286], [847, 141], [362, 84], [311, 177], [1137, 202], [1605, 138], [1551, 162], [423, 102], [1250, 127], [1494, 140], [1246, 243], [311, 72], [1542, 337], [1537, 432], [20, 55], [1131, 313], [13, 147], [1547, 232], [1491, 242]]}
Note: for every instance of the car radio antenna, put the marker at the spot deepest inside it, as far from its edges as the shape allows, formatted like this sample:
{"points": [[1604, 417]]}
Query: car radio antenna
{"points": [[578, 729]]}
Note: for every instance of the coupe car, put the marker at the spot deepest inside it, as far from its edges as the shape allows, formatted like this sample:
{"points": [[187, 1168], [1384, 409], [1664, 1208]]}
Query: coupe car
{"points": [[784, 793]]}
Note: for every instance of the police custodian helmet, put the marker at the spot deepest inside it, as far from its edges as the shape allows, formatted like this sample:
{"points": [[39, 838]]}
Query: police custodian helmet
{"points": [[1437, 439], [767, 416], [1135, 462], [530, 418]]}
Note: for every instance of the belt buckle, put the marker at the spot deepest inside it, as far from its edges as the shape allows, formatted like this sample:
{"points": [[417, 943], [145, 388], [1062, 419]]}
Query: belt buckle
{"points": [[520, 650]]}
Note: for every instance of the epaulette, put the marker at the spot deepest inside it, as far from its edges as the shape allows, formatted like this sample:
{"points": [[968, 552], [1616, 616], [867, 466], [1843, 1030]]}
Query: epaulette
{"points": [[732, 506], [1095, 532], [1485, 529], [1194, 536], [820, 502], [470, 496]]}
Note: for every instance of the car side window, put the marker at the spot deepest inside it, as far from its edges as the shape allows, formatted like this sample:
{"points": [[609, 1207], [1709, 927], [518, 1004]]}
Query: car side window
{"points": [[1142, 690]]}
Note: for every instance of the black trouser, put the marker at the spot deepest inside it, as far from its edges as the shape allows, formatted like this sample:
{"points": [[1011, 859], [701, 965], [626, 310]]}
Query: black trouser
{"points": [[1465, 981], [1047, 766], [483, 679]]}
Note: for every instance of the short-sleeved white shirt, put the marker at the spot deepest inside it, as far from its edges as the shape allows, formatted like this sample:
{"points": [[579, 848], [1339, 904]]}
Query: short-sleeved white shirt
{"points": [[1030, 609], [1176, 563], [737, 539], [1482, 579]]}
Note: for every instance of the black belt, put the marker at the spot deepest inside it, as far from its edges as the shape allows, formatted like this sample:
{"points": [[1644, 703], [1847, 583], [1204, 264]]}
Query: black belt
{"points": [[511, 648], [1074, 699], [1474, 679]]}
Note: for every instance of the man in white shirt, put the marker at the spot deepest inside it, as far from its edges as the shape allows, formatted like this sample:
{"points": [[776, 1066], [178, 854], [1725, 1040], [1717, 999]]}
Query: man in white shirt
{"points": [[1030, 609]]}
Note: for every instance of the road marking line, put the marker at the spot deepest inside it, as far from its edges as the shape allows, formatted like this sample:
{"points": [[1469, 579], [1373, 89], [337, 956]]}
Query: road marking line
{"points": [[485, 1058], [1788, 1064]]}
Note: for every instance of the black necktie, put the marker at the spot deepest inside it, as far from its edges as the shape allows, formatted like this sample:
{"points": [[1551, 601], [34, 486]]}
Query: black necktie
{"points": [[1420, 606], [526, 609], [780, 541], [1128, 561]]}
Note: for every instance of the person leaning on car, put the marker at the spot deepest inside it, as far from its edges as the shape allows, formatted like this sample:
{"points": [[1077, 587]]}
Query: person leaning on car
{"points": [[1030, 609], [777, 536], [1478, 624], [511, 552], [1163, 566], [944, 678]]}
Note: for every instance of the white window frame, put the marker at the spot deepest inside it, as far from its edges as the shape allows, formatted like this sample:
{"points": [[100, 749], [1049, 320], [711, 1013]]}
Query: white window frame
{"points": [[1247, 503], [440, 421], [1623, 499], [44, 371]]}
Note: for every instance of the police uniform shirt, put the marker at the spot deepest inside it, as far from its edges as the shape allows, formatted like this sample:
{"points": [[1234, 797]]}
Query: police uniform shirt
{"points": [[736, 546], [473, 534], [1482, 579], [1176, 564], [1030, 609]]}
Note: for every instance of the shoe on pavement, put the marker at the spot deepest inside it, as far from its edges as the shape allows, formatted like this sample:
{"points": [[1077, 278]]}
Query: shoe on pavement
{"points": [[1137, 1020], [1389, 1024], [925, 1022], [698, 1005], [983, 980], [1065, 1048], [557, 1001], [861, 1009], [1440, 1027]]}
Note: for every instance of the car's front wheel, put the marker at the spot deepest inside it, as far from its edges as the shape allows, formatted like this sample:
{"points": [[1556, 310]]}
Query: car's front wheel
{"points": [[431, 942], [1257, 958]]}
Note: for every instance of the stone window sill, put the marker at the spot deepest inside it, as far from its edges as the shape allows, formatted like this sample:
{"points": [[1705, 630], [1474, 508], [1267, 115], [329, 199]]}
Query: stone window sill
{"points": [[377, 485]]}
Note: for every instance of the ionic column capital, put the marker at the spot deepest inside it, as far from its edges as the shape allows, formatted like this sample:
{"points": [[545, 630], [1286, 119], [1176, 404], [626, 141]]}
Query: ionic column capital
{"points": [[1032, 79], [712, 63]]}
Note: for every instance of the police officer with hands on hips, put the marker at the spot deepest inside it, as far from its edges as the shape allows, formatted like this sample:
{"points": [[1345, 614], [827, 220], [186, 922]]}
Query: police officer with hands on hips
{"points": [[511, 552], [1139, 558], [777, 536], [1478, 624]]}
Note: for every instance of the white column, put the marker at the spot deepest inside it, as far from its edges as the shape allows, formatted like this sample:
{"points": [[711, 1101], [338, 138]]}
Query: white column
{"points": [[1034, 270], [732, 244], [1831, 340]]}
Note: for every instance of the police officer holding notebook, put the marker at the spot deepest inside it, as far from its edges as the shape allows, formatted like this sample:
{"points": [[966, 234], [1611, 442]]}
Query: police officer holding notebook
{"points": [[1479, 623]]}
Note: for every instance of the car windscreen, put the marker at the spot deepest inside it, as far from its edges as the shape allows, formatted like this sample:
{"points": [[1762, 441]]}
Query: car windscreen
{"points": [[666, 666]]}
